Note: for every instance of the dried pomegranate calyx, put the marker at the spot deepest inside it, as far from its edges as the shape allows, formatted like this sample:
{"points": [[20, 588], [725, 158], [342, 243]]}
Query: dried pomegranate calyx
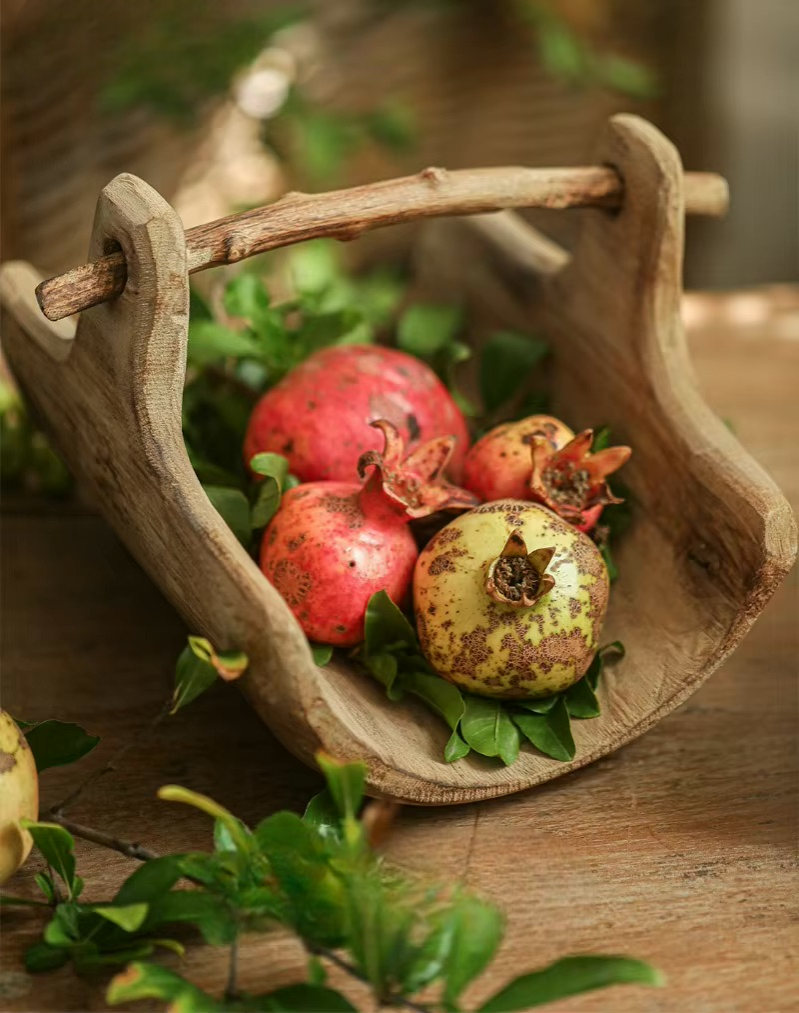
{"points": [[413, 484], [518, 577], [572, 480]]}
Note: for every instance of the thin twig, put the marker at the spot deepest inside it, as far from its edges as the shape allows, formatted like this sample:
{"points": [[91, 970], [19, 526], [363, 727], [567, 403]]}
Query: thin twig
{"points": [[61, 807], [127, 848], [353, 972], [230, 989]]}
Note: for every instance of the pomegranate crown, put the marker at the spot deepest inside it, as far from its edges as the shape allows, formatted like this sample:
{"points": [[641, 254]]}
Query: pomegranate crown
{"points": [[414, 484], [518, 577], [572, 480]]}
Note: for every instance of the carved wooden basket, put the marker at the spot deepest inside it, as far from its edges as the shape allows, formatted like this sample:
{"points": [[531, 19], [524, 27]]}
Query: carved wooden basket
{"points": [[712, 537]]}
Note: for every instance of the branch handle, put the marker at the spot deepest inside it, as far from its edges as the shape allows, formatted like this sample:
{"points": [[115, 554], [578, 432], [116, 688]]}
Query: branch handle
{"points": [[345, 214]]}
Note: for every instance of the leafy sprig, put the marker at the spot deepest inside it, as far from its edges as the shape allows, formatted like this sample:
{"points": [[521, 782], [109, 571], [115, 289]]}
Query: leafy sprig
{"points": [[323, 877], [493, 728]]}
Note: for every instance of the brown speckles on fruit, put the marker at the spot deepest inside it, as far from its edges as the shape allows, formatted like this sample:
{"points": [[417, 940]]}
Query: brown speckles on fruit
{"points": [[292, 581], [7, 761], [440, 564]]}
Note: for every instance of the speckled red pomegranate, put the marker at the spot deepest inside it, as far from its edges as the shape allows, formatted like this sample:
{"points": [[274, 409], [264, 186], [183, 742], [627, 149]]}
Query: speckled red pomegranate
{"points": [[318, 415], [332, 545]]}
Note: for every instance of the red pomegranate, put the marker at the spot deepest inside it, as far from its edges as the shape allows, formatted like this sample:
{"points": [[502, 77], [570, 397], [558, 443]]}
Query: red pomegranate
{"points": [[540, 459], [332, 545], [317, 415]]}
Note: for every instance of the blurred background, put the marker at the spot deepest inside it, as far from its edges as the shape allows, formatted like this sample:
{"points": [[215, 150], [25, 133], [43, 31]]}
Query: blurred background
{"points": [[222, 106]]}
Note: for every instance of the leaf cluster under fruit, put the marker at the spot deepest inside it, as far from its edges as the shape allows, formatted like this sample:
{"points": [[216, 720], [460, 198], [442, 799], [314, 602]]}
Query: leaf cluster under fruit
{"points": [[319, 875], [493, 728]]}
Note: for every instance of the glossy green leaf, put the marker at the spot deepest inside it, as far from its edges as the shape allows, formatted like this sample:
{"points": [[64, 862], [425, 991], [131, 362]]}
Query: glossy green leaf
{"points": [[456, 748], [323, 815], [129, 917], [442, 696], [345, 781], [385, 668], [570, 976], [45, 883], [151, 880], [541, 706], [57, 743], [550, 733], [486, 727], [43, 957], [193, 676], [208, 912], [151, 981], [299, 863], [581, 700], [211, 342], [322, 654], [425, 329], [477, 929], [301, 998], [238, 832], [56, 845], [386, 626], [274, 468], [505, 365], [64, 927], [601, 439], [232, 506]]}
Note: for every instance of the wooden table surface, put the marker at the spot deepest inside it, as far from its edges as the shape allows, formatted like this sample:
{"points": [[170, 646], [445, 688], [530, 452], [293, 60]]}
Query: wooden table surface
{"points": [[680, 848]]}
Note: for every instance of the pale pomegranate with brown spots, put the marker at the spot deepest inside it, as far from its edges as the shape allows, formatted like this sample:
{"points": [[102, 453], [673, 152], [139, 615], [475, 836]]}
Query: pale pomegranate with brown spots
{"points": [[318, 416], [332, 545], [510, 601]]}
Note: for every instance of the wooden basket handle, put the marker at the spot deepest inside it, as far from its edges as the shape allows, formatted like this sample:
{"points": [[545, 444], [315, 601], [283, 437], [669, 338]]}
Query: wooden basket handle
{"points": [[345, 214]]}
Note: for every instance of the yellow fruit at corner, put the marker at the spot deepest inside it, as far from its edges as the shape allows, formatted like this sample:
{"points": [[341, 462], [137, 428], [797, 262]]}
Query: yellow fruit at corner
{"points": [[19, 796]]}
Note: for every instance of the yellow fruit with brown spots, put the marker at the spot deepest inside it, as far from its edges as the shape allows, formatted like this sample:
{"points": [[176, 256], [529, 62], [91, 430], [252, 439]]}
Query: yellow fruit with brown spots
{"points": [[510, 601], [19, 796]]}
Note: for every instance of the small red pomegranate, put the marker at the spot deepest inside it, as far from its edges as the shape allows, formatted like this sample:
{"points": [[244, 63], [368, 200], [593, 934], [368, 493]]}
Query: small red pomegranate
{"points": [[317, 415], [541, 459], [332, 545]]}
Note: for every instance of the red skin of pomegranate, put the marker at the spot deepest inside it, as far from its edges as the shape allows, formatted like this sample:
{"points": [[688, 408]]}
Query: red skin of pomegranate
{"points": [[327, 552], [332, 545], [318, 416]]}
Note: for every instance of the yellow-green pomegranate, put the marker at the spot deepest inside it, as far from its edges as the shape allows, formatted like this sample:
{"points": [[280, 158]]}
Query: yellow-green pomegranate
{"points": [[510, 601], [19, 796]]}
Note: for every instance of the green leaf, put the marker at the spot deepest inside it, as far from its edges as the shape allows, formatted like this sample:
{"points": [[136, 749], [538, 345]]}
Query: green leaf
{"points": [[238, 832], [540, 706], [234, 509], [57, 743], [442, 696], [43, 957], [246, 296], [151, 880], [613, 570], [487, 728], [601, 439], [505, 365], [345, 782], [299, 863], [562, 53], [208, 912], [129, 917], [275, 470], [425, 329], [581, 701], [64, 927], [46, 885], [456, 748], [211, 342], [151, 981], [385, 668], [274, 465], [193, 676], [308, 998], [386, 626], [56, 845], [627, 76], [551, 733], [322, 814], [477, 930], [615, 647], [570, 976], [322, 654]]}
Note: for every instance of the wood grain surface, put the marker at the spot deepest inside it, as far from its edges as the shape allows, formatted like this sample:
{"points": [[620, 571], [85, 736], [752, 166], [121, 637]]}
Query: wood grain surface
{"points": [[680, 848], [712, 539]]}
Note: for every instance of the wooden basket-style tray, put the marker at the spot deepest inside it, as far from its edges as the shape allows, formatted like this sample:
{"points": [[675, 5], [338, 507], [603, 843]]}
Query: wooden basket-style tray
{"points": [[712, 537]]}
